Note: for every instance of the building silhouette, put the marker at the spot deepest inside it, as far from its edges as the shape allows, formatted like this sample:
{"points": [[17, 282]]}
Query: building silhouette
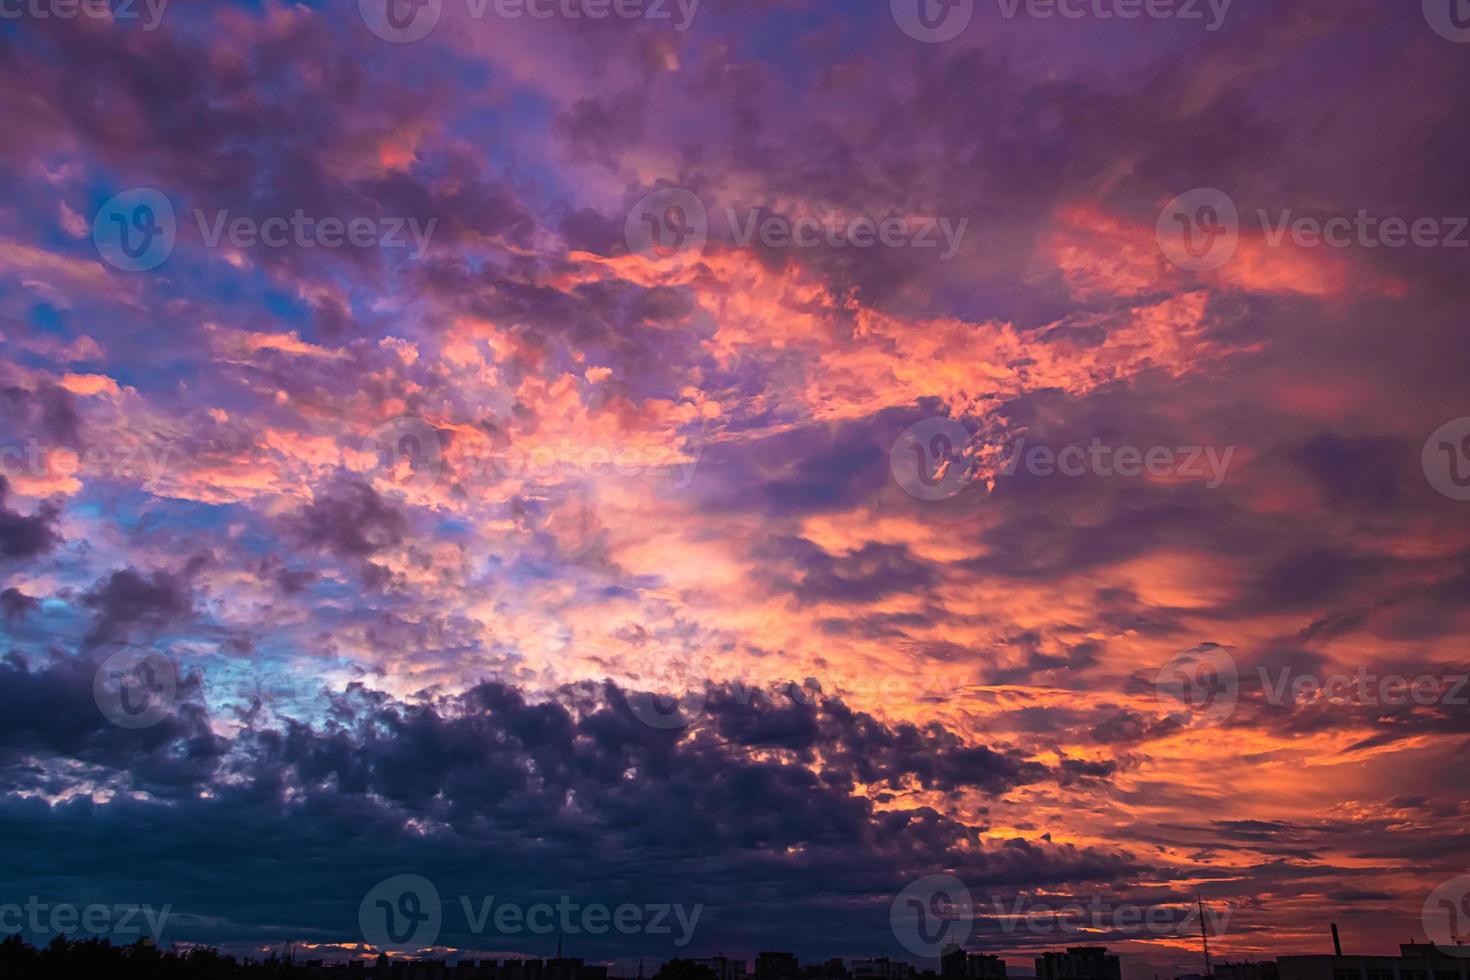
{"points": [[776, 966], [1416, 961], [1246, 970], [956, 964], [1079, 963]]}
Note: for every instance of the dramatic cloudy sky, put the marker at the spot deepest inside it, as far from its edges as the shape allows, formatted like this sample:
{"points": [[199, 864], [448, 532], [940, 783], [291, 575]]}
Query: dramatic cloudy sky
{"points": [[678, 473]]}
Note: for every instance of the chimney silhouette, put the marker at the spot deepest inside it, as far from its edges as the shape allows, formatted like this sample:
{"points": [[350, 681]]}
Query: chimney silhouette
{"points": [[1336, 941]]}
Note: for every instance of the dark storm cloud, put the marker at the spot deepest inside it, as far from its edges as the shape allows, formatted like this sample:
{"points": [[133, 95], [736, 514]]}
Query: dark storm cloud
{"points": [[129, 602], [24, 536], [51, 714], [45, 412], [16, 605], [863, 576], [348, 519], [491, 767]]}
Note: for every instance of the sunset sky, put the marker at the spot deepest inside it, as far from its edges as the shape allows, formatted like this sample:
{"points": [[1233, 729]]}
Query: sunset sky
{"points": [[415, 519]]}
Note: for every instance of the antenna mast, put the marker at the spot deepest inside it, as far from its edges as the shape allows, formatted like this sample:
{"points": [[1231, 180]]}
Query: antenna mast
{"points": [[1204, 933]]}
